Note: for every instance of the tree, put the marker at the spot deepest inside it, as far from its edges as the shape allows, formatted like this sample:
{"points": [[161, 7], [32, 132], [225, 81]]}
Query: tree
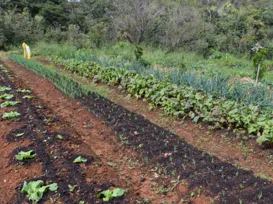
{"points": [[133, 18]]}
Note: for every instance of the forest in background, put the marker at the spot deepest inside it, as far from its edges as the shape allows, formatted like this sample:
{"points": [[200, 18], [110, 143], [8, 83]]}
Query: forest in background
{"points": [[200, 26]]}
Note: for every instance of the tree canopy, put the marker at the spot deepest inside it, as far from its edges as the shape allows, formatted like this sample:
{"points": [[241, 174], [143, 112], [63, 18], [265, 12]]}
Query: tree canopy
{"points": [[232, 26]]}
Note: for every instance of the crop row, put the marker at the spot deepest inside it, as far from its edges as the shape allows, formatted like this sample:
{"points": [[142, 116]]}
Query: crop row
{"points": [[35, 189], [179, 101]]}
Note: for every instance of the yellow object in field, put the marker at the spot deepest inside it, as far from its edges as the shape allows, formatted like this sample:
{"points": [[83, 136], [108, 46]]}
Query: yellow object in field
{"points": [[27, 52]]}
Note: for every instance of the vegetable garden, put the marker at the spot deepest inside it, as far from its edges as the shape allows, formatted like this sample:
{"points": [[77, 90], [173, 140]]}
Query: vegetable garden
{"points": [[68, 166]]}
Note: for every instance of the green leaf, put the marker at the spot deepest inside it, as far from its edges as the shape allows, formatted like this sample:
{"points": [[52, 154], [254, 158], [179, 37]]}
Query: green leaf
{"points": [[9, 103], [117, 192], [19, 134], [28, 97], [23, 91], [59, 137], [4, 88], [25, 155], [53, 187], [6, 96], [71, 188], [108, 195], [80, 160], [36, 189], [10, 115]]}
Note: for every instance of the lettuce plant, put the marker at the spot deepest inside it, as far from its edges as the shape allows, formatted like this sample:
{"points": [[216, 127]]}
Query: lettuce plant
{"points": [[9, 103], [111, 194], [10, 115], [25, 155], [36, 189]]}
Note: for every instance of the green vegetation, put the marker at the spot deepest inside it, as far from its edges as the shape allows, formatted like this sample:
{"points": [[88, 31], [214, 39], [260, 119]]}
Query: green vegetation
{"points": [[79, 159], [9, 103], [23, 91], [204, 27], [25, 155], [59, 137], [19, 134], [72, 187], [180, 101], [4, 88], [6, 96], [28, 97], [111, 194], [10, 115], [36, 189], [212, 80], [61, 81]]}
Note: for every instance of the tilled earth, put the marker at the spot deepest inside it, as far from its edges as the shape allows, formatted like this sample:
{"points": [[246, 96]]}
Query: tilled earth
{"points": [[205, 176]]}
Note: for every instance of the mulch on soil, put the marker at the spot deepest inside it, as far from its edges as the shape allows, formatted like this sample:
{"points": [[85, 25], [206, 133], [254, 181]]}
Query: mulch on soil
{"points": [[57, 161], [221, 180]]}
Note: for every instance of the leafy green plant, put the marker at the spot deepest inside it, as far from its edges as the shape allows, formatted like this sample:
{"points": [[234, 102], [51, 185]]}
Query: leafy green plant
{"points": [[36, 189], [25, 155], [4, 88], [24, 91], [71, 187], [19, 134], [111, 194], [9, 103], [6, 96], [10, 115], [177, 100], [59, 137], [28, 97], [79, 159]]}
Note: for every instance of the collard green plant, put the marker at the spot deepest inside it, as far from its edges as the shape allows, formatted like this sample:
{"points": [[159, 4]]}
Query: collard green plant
{"points": [[25, 155], [10, 115], [36, 189], [111, 194]]}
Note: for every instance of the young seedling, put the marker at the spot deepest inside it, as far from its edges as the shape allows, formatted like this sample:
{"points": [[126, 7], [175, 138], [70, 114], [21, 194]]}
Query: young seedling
{"points": [[36, 189], [6, 96], [111, 194], [23, 91], [79, 159], [71, 188], [28, 97], [10, 115], [59, 137], [19, 134], [9, 103], [4, 88], [25, 155]]}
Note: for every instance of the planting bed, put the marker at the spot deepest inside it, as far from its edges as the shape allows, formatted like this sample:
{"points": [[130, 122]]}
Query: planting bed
{"points": [[54, 161], [37, 129], [205, 176]]}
